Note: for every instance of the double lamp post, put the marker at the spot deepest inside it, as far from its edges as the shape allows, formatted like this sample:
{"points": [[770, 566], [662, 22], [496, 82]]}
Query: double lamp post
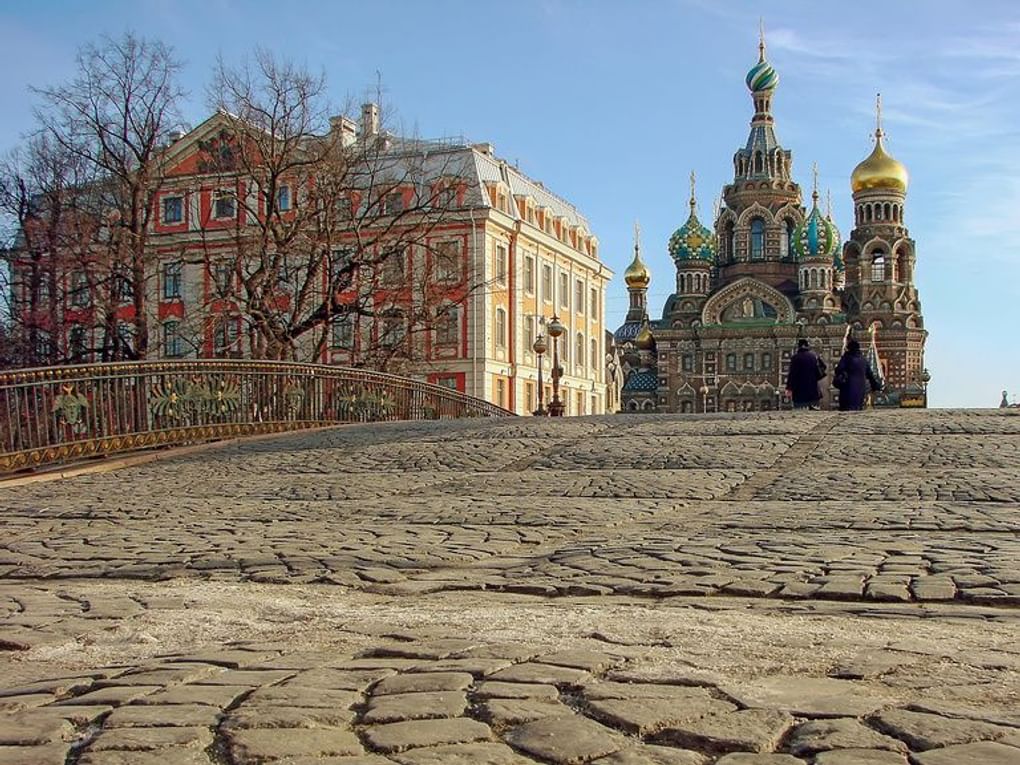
{"points": [[555, 330]]}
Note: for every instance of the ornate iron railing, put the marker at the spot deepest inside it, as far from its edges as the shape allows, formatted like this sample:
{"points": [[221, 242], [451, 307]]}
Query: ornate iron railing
{"points": [[50, 415]]}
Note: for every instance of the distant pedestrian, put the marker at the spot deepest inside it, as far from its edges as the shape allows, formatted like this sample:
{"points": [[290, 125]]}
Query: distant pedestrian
{"points": [[806, 369], [851, 373]]}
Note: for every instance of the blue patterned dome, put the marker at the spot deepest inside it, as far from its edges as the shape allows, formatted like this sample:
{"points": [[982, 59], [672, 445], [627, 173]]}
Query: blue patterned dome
{"points": [[693, 241], [641, 381], [816, 237]]}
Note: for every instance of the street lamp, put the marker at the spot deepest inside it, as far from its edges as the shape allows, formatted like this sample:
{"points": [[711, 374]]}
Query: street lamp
{"points": [[555, 330], [925, 379], [704, 397], [539, 348]]}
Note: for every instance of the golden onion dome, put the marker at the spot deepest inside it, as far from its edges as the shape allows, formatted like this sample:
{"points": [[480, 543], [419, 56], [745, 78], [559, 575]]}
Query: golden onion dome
{"points": [[637, 274], [879, 171], [644, 340]]}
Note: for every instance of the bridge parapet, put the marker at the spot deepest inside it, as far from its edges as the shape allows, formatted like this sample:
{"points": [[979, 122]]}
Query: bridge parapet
{"points": [[50, 415]]}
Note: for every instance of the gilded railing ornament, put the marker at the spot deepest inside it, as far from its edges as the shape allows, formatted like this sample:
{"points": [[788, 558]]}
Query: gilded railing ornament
{"points": [[69, 407]]}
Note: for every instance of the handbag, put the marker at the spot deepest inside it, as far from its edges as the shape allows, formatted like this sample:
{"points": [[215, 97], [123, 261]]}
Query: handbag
{"points": [[841, 378]]}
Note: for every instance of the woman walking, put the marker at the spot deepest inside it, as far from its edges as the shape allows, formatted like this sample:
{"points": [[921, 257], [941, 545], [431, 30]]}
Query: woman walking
{"points": [[851, 372]]}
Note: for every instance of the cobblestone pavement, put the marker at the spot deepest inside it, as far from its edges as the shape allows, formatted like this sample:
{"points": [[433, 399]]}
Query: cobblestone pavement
{"points": [[743, 590]]}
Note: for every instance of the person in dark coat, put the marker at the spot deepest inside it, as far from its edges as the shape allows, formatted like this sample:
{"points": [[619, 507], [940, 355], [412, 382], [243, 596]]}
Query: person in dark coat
{"points": [[806, 369], [851, 373]]}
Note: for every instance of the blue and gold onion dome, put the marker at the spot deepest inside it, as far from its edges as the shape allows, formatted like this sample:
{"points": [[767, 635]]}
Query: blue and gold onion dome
{"points": [[762, 76], [693, 241], [817, 236]]}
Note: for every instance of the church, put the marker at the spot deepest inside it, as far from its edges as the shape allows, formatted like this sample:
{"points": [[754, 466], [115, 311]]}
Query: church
{"points": [[771, 272]]}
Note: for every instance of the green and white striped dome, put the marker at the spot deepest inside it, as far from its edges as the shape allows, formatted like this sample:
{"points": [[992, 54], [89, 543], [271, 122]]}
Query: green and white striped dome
{"points": [[762, 76]]}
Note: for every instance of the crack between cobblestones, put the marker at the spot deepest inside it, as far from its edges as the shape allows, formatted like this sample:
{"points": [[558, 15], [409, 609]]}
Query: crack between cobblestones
{"points": [[793, 457]]}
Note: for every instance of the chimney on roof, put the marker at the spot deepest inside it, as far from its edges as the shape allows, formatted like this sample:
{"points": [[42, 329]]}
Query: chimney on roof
{"points": [[369, 120], [176, 135], [485, 148], [343, 129]]}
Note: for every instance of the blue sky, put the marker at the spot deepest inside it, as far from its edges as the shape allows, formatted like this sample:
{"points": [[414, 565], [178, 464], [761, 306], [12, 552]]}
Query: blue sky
{"points": [[612, 104]]}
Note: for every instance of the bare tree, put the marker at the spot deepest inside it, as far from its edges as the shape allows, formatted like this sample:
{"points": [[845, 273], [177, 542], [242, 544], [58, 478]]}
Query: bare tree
{"points": [[330, 219], [114, 118], [46, 200]]}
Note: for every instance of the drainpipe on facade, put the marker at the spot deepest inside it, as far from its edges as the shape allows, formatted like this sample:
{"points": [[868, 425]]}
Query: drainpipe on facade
{"points": [[474, 310], [512, 315]]}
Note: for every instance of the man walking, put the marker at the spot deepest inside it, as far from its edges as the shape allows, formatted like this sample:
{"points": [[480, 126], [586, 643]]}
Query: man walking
{"points": [[806, 369]]}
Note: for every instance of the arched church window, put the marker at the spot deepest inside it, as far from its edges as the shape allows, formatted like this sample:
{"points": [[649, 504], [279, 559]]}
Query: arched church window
{"points": [[814, 278], [878, 266], [867, 213], [730, 240], [888, 211], [788, 248], [759, 164], [757, 239]]}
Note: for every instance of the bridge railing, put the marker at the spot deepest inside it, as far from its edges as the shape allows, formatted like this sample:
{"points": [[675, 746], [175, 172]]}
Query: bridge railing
{"points": [[50, 415]]}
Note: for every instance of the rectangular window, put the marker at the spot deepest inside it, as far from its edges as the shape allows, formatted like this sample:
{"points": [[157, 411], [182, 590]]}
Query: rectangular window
{"points": [[547, 282], [529, 334], [687, 362], [564, 291], [340, 267], [77, 341], [766, 361], [447, 382], [500, 328], [224, 206], [173, 209], [394, 203], [342, 334], [172, 345], [529, 395], [80, 295], [283, 201], [501, 264], [172, 280], [748, 361], [448, 326], [123, 289], [394, 330], [448, 262], [529, 274], [594, 360], [501, 392], [593, 301], [223, 277], [731, 362], [579, 296], [344, 209], [225, 336], [393, 268], [580, 403]]}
